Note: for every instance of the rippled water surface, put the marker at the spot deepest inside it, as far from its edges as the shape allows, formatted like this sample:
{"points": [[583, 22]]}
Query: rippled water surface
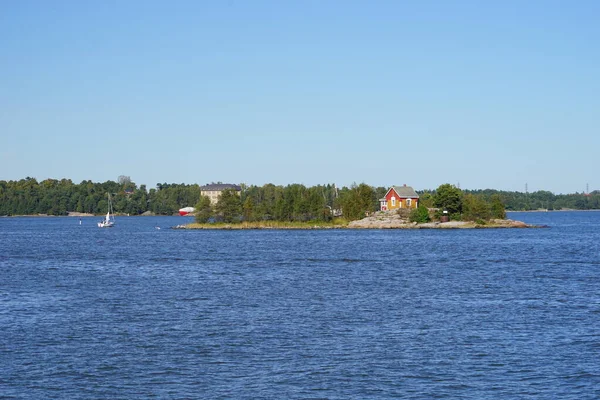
{"points": [[137, 312]]}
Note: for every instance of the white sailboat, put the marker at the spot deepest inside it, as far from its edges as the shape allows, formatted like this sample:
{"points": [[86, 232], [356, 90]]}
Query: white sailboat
{"points": [[109, 220]]}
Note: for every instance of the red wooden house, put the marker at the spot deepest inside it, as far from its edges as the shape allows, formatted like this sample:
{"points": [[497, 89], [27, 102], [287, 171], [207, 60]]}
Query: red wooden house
{"points": [[399, 197]]}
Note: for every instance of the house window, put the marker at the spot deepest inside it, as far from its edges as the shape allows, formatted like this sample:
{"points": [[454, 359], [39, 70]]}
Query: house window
{"points": [[407, 202], [393, 201]]}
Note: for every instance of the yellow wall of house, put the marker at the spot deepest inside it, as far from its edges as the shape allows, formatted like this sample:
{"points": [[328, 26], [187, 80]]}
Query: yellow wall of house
{"points": [[213, 195], [413, 204]]}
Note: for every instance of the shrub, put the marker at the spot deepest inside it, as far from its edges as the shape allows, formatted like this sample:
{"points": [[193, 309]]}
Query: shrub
{"points": [[420, 215]]}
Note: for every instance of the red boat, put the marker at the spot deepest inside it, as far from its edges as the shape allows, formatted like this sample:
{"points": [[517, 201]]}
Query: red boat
{"points": [[186, 210]]}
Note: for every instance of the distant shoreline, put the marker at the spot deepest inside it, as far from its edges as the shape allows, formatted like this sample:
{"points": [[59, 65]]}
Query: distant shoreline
{"points": [[562, 210]]}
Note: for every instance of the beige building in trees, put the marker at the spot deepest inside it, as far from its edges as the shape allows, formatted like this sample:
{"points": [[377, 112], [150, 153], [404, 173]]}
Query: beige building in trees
{"points": [[213, 191]]}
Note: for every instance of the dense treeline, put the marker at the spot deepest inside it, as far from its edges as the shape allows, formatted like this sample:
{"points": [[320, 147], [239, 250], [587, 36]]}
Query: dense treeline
{"points": [[518, 201], [293, 202], [540, 200], [58, 197]]}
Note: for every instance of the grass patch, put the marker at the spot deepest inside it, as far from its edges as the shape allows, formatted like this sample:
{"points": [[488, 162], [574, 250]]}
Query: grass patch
{"points": [[336, 223]]}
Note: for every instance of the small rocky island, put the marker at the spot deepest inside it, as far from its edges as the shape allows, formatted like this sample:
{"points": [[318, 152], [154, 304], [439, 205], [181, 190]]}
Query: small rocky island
{"points": [[377, 220], [400, 208]]}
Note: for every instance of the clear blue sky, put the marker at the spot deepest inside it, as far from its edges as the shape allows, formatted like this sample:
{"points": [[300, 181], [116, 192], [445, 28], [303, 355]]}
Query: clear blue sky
{"points": [[492, 95]]}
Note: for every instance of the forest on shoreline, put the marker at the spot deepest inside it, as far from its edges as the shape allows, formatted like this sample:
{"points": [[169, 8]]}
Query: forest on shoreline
{"points": [[294, 202]]}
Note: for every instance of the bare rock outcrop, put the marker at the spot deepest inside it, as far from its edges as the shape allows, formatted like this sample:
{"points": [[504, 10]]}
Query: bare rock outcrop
{"points": [[383, 220], [393, 220], [79, 214]]}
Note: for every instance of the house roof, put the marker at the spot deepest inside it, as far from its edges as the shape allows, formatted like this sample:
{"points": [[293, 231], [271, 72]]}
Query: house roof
{"points": [[404, 191], [219, 187]]}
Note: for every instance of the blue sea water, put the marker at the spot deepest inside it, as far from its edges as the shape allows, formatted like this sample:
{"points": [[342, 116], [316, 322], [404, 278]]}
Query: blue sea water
{"points": [[134, 312]]}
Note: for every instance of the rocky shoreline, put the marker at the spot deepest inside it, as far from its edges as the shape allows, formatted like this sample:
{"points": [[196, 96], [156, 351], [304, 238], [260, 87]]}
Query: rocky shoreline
{"points": [[391, 220], [79, 214], [378, 220], [387, 224]]}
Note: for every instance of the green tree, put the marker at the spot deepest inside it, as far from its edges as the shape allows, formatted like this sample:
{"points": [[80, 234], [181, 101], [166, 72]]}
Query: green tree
{"points": [[357, 201], [449, 198], [475, 208], [497, 207], [378, 193], [248, 209], [204, 210], [229, 206], [426, 200], [420, 215]]}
